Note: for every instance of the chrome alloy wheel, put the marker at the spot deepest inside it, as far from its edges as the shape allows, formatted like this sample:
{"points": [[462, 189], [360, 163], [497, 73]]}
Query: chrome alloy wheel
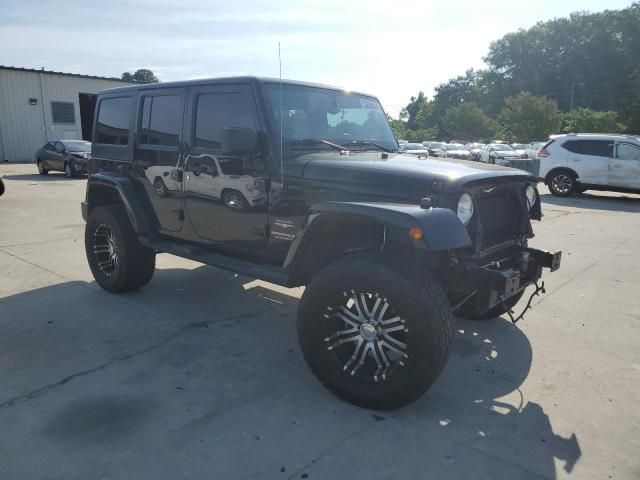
{"points": [[105, 248], [374, 340], [562, 183]]}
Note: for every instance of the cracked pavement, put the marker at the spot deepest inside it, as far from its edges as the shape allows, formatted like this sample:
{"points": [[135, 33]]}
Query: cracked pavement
{"points": [[199, 374]]}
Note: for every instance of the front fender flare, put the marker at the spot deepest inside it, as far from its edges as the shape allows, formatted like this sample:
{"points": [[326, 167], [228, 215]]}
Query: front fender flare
{"points": [[441, 227]]}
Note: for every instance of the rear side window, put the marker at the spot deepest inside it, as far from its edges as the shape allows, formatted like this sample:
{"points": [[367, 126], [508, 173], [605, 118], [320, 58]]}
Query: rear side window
{"points": [[217, 111], [161, 120], [598, 148], [113, 121]]}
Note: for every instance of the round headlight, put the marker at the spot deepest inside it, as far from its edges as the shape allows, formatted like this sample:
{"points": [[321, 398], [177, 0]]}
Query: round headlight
{"points": [[465, 208], [532, 196]]}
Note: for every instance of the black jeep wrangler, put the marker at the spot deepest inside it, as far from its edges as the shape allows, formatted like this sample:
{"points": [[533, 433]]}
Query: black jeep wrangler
{"points": [[302, 184]]}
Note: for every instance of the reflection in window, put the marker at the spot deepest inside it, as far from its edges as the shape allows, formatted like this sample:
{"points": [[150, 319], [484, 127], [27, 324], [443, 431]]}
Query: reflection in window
{"points": [[113, 121], [161, 120]]}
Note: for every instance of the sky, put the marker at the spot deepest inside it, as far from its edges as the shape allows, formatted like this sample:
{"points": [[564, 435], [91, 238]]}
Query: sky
{"points": [[389, 49]]}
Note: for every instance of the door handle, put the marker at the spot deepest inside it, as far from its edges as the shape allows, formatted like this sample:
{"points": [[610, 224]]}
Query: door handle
{"points": [[617, 165], [577, 160]]}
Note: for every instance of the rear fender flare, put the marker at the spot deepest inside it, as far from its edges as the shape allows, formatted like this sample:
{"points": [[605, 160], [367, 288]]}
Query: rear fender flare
{"points": [[124, 189]]}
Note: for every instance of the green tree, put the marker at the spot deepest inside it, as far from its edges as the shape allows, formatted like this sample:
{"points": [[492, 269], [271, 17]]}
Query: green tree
{"points": [[585, 120], [469, 122], [410, 112], [527, 117], [141, 75]]}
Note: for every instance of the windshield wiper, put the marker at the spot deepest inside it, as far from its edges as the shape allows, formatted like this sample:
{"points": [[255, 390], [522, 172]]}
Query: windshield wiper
{"points": [[368, 142], [316, 141]]}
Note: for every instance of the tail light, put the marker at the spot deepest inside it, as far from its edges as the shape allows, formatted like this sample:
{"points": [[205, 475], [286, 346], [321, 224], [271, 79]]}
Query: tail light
{"points": [[543, 152]]}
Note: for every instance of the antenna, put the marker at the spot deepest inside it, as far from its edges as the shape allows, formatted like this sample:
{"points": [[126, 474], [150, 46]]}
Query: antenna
{"points": [[281, 124]]}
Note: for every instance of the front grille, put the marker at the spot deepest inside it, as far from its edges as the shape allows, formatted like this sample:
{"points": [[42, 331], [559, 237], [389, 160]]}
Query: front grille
{"points": [[501, 217]]}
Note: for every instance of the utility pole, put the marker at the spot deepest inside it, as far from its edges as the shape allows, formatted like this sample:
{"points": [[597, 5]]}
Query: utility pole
{"points": [[571, 103]]}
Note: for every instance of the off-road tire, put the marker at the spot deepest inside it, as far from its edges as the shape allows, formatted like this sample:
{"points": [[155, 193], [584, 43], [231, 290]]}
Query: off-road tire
{"points": [[41, 169], [135, 264], [492, 313], [417, 299], [562, 183]]}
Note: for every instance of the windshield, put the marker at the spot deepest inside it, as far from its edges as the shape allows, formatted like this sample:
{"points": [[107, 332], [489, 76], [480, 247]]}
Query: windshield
{"points": [[454, 146], [77, 146], [501, 147], [436, 145], [521, 146], [337, 116], [414, 146]]}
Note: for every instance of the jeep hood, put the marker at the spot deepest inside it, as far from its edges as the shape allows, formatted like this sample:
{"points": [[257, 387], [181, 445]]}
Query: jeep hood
{"points": [[397, 169]]}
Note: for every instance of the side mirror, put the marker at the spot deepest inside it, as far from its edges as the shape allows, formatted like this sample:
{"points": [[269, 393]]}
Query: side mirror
{"points": [[239, 140]]}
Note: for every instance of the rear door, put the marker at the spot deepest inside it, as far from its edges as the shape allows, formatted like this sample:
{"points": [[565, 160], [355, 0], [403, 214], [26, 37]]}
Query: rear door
{"points": [[158, 151], [624, 167], [590, 159]]}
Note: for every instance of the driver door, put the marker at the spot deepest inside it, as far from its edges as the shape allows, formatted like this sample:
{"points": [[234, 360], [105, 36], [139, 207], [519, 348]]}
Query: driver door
{"points": [[224, 207], [57, 156]]}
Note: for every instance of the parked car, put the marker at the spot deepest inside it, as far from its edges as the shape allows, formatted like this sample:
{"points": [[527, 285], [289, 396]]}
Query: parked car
{"points": [[386, 244], [575, 163], [415, 149], [437, 149], [68, 156], [474, 150], [1, 186], [521, 149], [498, 154], [533, 149], [456, 150]]}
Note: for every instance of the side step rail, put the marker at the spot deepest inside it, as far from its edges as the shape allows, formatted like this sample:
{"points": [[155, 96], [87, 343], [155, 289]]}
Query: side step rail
{"points": [[266, 272]]}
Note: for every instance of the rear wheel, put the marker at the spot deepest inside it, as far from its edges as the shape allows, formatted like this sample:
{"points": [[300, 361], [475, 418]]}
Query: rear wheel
{"points": [[41, 169], [372, 336], [562, 183], [117, 260]]}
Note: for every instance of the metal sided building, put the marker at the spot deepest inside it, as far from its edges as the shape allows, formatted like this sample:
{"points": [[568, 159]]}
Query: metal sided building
{"points": [[39, 105]]}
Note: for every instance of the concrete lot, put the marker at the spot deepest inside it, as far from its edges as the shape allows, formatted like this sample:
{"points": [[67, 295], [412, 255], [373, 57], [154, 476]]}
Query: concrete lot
{"points": [[199, 374]]}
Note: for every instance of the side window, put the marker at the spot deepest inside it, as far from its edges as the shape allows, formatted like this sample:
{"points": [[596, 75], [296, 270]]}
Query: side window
{"points": [[49, 147], [113, 121], [161, 120], [626, 151], [217, 111], [598, 148], [59, 147]]}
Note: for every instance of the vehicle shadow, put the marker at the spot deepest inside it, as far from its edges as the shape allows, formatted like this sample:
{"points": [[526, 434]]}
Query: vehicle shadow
{"points": [[614, 202], [478, 401], [36, 177], [185, 317]]}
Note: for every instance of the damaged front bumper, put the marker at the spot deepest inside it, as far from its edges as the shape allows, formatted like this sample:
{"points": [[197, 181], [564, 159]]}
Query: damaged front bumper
{"points": [[482, 286]]}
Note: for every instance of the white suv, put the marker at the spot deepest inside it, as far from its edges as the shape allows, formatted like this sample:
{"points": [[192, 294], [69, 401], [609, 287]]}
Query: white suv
{"points": [[574, 163]]}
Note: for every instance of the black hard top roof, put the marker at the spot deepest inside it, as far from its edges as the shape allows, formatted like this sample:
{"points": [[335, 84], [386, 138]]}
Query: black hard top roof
{"points": [[209, 81]]}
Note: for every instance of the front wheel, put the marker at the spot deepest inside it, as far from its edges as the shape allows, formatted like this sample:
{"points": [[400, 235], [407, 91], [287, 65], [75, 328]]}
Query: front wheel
{"points": [[117, 260], [235, 200], [374, 337], [69, 170]]}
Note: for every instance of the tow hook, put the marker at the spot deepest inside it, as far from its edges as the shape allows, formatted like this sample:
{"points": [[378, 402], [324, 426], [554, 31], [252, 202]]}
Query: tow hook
{"points": [[539, 289]]}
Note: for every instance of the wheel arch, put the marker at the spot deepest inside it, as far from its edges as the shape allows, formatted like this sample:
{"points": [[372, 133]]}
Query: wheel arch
{"points": [[333, 230], [108, 188]]}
